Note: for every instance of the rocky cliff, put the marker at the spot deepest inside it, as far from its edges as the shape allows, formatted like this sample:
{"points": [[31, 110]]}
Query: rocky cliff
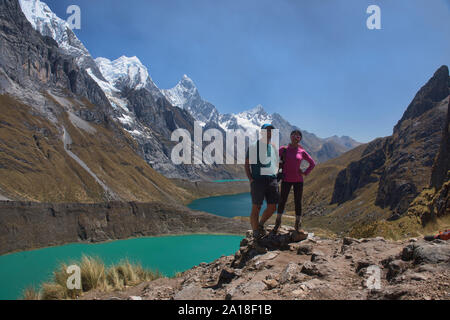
{"points": [[434, 202], [414, 145], [441, 166], [279, 267], [30, 62], [29, 225], [402, 163]]}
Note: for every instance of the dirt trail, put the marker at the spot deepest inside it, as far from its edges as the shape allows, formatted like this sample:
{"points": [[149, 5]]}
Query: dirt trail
{"points": [[67, 142]]}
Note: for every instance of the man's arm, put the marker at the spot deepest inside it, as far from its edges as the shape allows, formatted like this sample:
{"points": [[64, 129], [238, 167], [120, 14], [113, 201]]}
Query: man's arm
{"points": [[247, 170], [247, 165]]}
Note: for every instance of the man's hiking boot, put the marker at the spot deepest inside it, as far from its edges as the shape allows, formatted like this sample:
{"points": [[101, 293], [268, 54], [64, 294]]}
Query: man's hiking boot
{"points": [[257, 235], [260, 233], [262, 230]]}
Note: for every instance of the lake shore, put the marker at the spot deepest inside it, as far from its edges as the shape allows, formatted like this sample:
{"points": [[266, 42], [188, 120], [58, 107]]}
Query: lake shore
{"points": [[30, 225], [205, 189]]}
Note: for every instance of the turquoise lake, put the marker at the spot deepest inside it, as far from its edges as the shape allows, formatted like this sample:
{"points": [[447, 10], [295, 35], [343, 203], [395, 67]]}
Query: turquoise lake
{"points": [[237, 205], [168, 254]]}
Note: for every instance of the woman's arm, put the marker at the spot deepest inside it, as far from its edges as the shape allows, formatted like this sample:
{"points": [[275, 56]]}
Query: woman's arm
{"points": [[311, 161]]}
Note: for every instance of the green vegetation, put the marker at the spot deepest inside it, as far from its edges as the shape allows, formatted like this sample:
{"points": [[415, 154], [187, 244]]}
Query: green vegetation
{"points": [[94, 276]]}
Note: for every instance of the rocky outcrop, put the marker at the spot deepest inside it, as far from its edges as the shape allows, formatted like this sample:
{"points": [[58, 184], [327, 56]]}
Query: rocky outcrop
{"points": [[28, 225], [434, 202], [281, 267], [430, 95], [414, 145], [441, 167], [359, 173], [440, 176]]}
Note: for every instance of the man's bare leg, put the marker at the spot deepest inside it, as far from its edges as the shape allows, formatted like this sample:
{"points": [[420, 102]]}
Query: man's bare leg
{"points": [[254, 217], [267, 214]]}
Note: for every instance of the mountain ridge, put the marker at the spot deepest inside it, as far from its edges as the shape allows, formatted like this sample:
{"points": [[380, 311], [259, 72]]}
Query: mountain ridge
{"points": [[186, 95]]}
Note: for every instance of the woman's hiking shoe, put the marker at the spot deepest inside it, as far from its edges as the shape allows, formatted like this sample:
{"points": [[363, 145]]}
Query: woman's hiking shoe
{"points": [[277, 226], [298, 224], [299, 236]]}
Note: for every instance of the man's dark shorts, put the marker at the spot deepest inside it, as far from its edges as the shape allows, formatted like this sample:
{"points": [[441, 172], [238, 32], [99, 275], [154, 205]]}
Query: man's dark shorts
{"points": [[266, 188]]}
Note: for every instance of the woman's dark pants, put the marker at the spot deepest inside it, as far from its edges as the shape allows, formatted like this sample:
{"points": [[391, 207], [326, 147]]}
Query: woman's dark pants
{"points": [[298, 193]]}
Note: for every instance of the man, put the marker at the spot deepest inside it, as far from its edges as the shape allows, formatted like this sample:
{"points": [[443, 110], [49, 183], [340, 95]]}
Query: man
{"points": [[261, 168]]}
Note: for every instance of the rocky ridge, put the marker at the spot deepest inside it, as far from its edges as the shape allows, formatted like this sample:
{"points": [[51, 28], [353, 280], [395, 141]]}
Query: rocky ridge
{"points": [[281, 267]]}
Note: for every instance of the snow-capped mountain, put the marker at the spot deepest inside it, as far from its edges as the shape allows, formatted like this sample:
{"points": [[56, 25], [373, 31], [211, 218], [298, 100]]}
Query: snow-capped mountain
{"points": [[127, 73], [49, 24], [124, 72], [185, 95], [121, 75], [44, 20], [149, 114], [137, 103], [251, 119]]}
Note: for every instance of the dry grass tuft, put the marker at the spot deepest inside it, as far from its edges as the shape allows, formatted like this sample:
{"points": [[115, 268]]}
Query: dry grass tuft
{"points": [[94, 276]]}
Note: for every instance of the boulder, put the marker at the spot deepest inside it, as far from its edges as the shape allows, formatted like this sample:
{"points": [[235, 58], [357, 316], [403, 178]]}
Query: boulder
{"points": [[291, 273], [427, 252], [395, 268], [304, 249], [226, 276]]}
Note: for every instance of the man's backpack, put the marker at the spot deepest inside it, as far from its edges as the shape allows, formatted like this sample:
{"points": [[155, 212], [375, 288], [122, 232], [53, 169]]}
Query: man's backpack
{"points": [[280, 174]]}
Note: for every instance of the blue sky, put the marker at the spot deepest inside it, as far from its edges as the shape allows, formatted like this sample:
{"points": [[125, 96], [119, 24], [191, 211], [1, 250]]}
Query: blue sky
{"points": [[314, 62]]}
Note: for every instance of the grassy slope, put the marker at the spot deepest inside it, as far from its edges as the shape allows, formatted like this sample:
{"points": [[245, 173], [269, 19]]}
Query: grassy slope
{"points": [[34, 165]]}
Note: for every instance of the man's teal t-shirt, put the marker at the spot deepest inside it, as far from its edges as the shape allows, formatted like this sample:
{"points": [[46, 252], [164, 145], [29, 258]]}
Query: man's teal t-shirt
{"points": [[263, 164]]}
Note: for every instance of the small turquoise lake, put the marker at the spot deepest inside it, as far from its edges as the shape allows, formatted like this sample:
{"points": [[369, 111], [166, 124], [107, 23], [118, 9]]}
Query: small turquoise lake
{"points": [[168, 254], [236, 205]]}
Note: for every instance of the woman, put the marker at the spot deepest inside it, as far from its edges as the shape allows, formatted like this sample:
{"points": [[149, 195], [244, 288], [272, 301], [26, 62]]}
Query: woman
{"points": [[291, 157]]}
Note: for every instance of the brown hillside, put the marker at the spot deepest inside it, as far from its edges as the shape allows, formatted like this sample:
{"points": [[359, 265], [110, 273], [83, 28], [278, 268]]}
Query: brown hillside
{"points": [[34, 165]]}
